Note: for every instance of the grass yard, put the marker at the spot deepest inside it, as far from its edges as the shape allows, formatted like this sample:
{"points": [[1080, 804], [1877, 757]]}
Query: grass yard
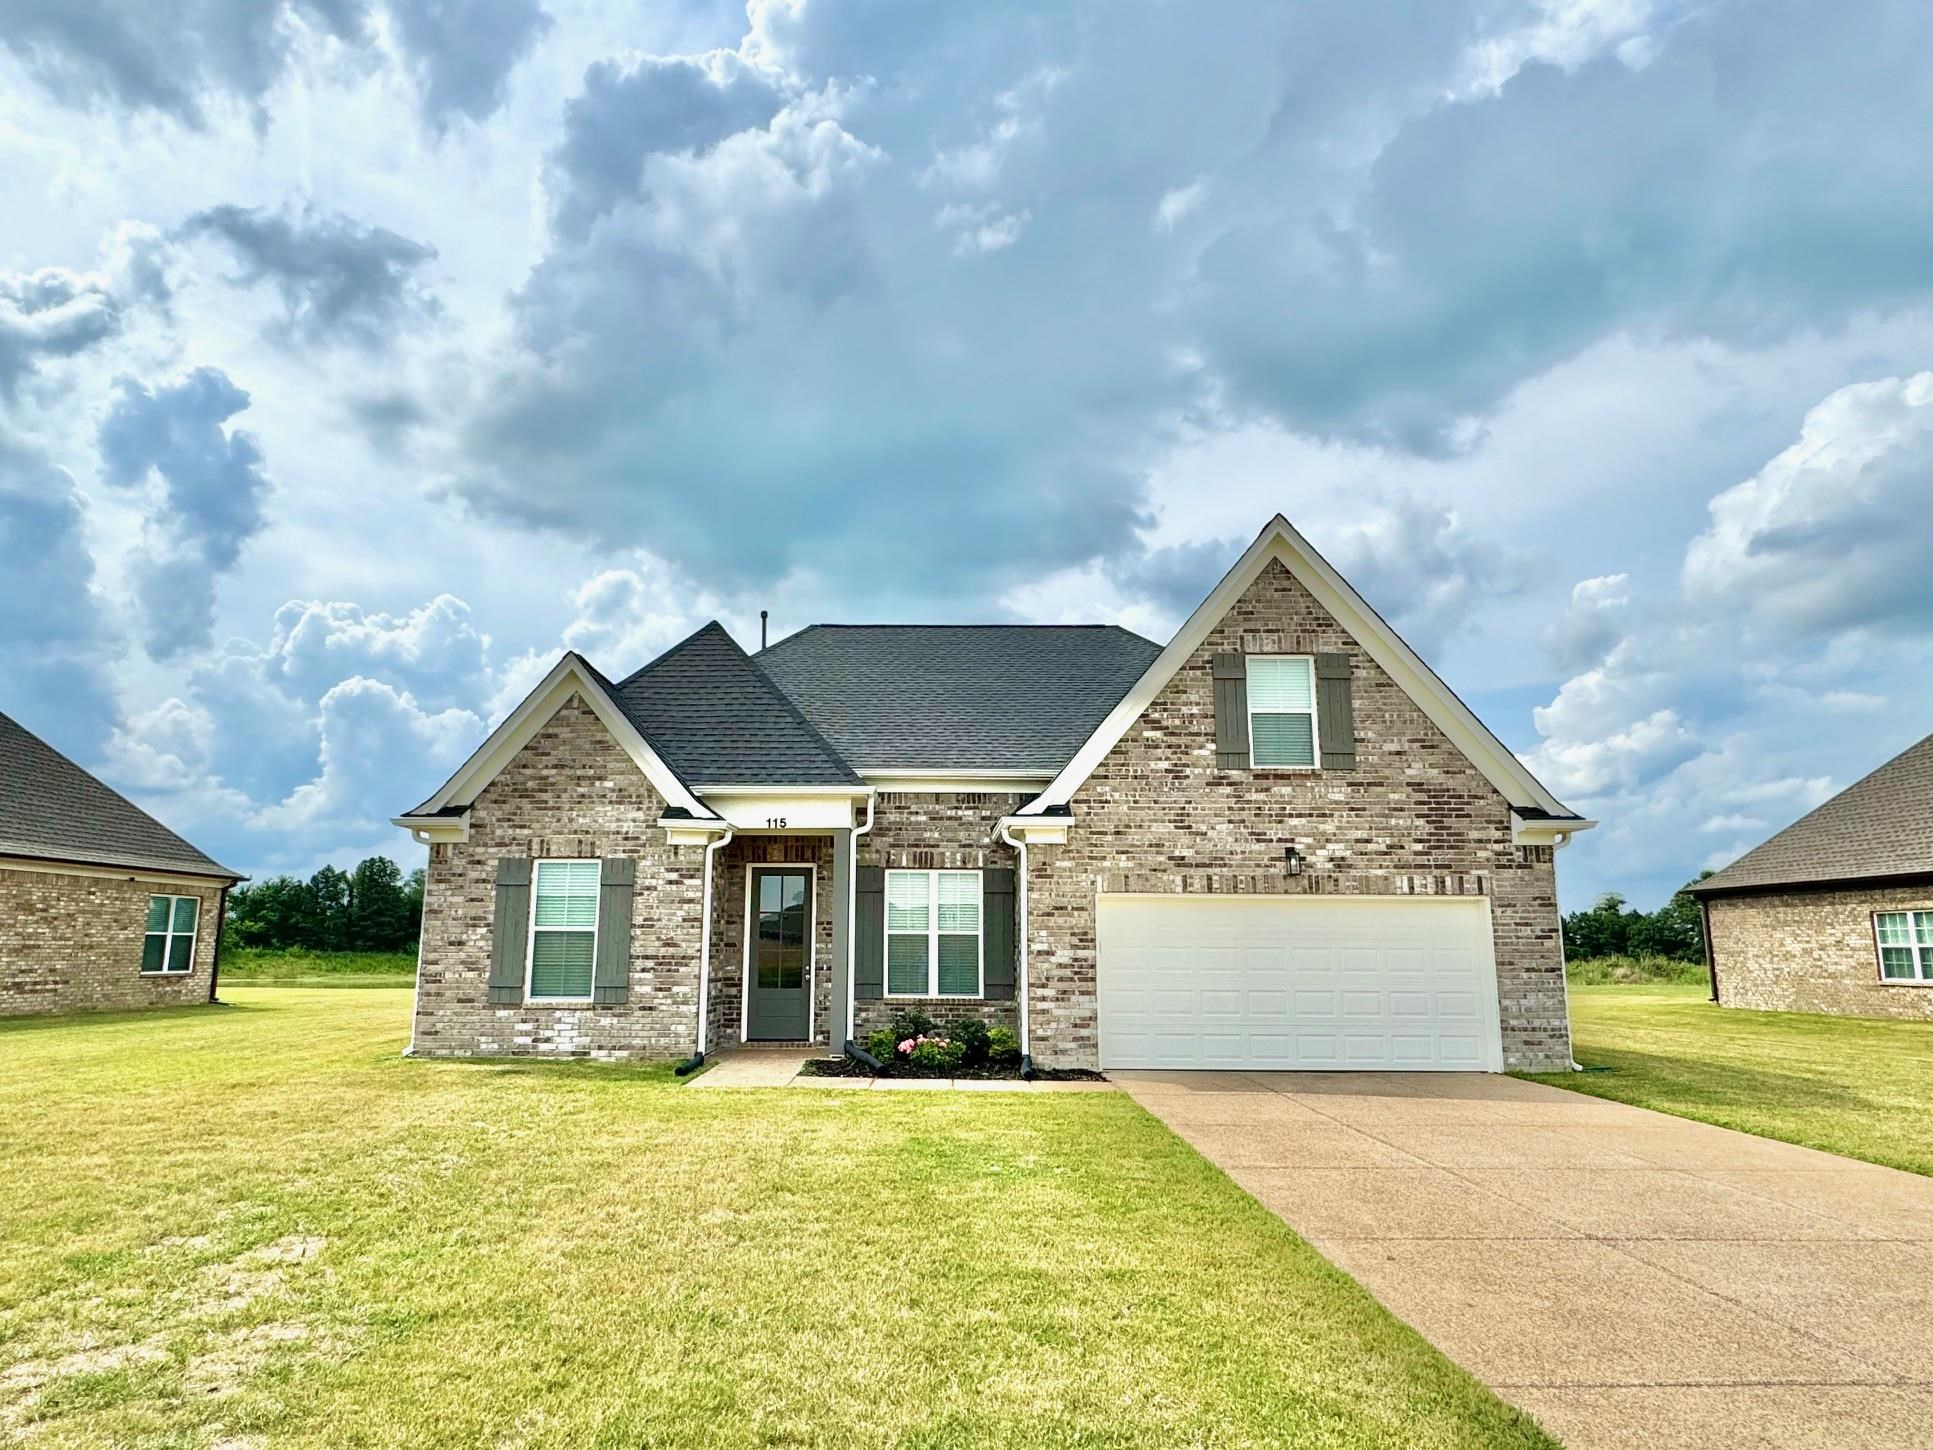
{"points": [[258, 1224], [1850, 1085], [295, 967]]}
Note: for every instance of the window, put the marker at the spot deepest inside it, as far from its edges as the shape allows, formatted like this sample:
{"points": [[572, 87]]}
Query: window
{"points": [[169, 946], [1281, 710], [1905, 945], [933, 933], [563, 932]]}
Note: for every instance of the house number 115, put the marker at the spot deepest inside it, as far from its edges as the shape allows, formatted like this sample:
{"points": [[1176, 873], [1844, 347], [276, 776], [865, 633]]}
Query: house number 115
{"points": [[775, 823]]}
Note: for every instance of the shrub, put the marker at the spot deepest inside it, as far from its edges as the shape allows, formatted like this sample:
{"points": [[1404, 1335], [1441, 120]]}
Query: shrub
{"points": [[912, 1024], [934, 1054], [971, 1036], [1003, 1046], [1628, 970], [882, 1045]]}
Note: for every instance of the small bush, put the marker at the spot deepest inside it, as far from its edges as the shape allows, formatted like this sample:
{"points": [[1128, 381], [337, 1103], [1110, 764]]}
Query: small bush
{"points": [[912, 1024], [935, 1054], [882, 1045], [1003, 1046], [1632, 971], [971, 1036]]}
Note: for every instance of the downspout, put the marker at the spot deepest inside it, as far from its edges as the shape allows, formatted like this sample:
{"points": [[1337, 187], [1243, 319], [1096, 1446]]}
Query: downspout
{"points": [[214, 957], [1711, 957], [1563, 957], [1020, 986], [704, 960], [852, 913]]}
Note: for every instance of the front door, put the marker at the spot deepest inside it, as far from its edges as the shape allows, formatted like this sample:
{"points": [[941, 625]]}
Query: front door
{"points": [[778, 1000]]}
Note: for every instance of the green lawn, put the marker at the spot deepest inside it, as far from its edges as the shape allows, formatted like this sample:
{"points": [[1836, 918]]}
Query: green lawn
{"points": [[295, 967], [1850, 1085], [258, 1224]]}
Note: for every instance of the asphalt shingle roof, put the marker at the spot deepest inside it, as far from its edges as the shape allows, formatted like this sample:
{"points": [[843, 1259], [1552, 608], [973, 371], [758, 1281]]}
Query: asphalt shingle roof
{"points": [[716, 719], [957, 697], [1879, 826], [53, 810]]}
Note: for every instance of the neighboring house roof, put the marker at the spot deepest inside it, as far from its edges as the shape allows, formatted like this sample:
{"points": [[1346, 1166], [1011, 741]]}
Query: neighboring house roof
{"points": [[1279, 542], [1877, 827], [52, 810], [716, 718], [998, 697]]}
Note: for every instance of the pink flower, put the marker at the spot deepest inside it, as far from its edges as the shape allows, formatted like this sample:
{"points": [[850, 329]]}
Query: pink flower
{"points": [[909, 1044]]}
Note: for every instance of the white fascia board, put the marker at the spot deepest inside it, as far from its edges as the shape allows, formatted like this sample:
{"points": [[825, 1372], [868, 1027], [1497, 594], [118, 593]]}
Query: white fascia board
{"points": [[1037, 830], [1280, 541], [434, 830], [958, 782], [849, 792], [571, 676], [1545, 833]]}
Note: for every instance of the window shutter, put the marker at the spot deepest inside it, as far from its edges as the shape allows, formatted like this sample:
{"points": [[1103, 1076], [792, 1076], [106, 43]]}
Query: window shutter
{"points": [[1335, 713], [997, 925], [511, 932], [611, 981], [1231, 713], [869, 934]]}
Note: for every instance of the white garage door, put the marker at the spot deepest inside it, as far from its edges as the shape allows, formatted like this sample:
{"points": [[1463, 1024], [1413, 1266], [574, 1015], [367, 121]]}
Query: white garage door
{"points": [[1404, 983]]}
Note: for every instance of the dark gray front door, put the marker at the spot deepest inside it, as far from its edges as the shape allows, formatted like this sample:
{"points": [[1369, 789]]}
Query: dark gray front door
{"points": [[779, 1005]]}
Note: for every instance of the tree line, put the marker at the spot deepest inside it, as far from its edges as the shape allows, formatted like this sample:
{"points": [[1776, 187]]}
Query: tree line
{"points": [[1610, 929], [374, 908]]}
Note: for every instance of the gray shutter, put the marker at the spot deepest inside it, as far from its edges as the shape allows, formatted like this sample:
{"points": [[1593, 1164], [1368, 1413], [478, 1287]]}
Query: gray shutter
{"points": [[511, 931], [997, 927], [869, 934], [1335, 713], [611, 978], [1231, 713]]}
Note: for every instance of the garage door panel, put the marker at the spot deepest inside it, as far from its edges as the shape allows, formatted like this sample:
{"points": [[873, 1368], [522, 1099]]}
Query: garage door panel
{"points": [[1282, 983]]}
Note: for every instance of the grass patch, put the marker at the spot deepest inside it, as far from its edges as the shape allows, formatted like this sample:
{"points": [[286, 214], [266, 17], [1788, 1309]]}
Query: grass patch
{"points": [[1857, 1086], [1630, 971], [318, 969], [261, 1222]]}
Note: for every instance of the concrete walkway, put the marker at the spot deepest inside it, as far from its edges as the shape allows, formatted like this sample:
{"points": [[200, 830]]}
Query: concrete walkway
{"points": [[1631, 1279], [754, 1067]]}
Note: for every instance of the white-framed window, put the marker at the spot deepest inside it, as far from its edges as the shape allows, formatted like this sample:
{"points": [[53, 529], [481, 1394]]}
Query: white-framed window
{"points": [[563, 931], [168, 949], [1905, 945], [1282, 710], [933, 934]]}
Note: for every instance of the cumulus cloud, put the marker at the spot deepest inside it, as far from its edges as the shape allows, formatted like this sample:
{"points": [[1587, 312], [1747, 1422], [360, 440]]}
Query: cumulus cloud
{"points": [[464, 50], [1834, 533], [339, 281], [209, 502], [50, 313], [435, 647], [1591, 624]]}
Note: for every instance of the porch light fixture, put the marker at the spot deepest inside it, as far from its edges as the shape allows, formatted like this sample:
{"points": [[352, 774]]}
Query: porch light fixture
{"points": [[1294, 858]]}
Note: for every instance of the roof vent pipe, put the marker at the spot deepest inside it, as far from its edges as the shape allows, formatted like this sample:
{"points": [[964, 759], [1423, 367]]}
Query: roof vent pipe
{"points": [[763, 615]]}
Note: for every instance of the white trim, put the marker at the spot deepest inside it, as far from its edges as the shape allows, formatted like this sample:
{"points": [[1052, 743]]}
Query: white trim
{"points": [[530, 943], [852, 927], [1555, 834], [1020, 985], [1315, 728], [168, 935], [571, 676], [933, 934], [811, 870], [1034, 830], [431, 830], [853, 792], [1280, 542], [116, 873], [704, 939], [958, 782], [1922, 954]]}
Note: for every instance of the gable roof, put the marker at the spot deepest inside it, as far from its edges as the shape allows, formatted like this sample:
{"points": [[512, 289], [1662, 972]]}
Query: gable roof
{"points": [[1279, 542], [1017, 698], [1881, 825], [51, 809], [716, 718]]}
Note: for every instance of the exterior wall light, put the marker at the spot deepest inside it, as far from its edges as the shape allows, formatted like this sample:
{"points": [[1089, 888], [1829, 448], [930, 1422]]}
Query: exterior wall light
{"points": [[1294, 858]]}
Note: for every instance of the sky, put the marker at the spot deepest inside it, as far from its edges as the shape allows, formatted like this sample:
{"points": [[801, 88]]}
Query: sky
{"points": [[358, 356]]}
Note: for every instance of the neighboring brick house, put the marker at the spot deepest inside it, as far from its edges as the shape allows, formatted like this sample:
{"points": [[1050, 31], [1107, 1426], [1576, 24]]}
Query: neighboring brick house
{"points": [[1835, 912], [1279, 842], [101, 906]]}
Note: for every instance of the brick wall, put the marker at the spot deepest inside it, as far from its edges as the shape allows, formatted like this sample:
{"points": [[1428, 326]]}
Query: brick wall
{"points": [[571, 791], [1414, 817], [1813, 951], [71, 942]]}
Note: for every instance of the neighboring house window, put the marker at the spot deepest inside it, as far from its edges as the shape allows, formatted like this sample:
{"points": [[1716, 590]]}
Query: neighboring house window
{"points": [[563, 932], [1281, 710], [169, 947], [1905, 945], [933, 933]]}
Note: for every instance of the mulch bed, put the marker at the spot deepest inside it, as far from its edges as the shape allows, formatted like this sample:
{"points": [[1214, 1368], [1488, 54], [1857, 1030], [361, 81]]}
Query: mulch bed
{"points": [[851, 1067]]}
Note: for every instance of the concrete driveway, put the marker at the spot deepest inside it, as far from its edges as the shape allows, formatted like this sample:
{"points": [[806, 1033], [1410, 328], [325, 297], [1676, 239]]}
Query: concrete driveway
{"points": [[1629, 1278]]}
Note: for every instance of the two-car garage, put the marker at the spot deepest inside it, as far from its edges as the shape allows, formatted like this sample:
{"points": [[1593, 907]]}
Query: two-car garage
{"points": [[1389, 983]]}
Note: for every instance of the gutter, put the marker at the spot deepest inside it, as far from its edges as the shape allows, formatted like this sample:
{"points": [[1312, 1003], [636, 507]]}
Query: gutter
{"points": [[852, 914], [1020, 972], [1711, 957]]}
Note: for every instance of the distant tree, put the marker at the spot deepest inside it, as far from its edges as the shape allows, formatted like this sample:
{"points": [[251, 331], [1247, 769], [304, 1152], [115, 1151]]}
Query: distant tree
{"points": [[328, 925], [372, 908], [378, 910], [1608, 929], [1603, 931]]}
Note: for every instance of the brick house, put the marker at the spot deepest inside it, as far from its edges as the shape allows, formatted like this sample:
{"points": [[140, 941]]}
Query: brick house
{"points": [[1278, 842], [1835, 912], [101, 906]]}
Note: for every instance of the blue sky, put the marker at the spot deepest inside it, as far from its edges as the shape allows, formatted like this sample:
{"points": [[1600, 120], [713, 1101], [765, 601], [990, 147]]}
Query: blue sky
{"points": [[356, 356]]}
